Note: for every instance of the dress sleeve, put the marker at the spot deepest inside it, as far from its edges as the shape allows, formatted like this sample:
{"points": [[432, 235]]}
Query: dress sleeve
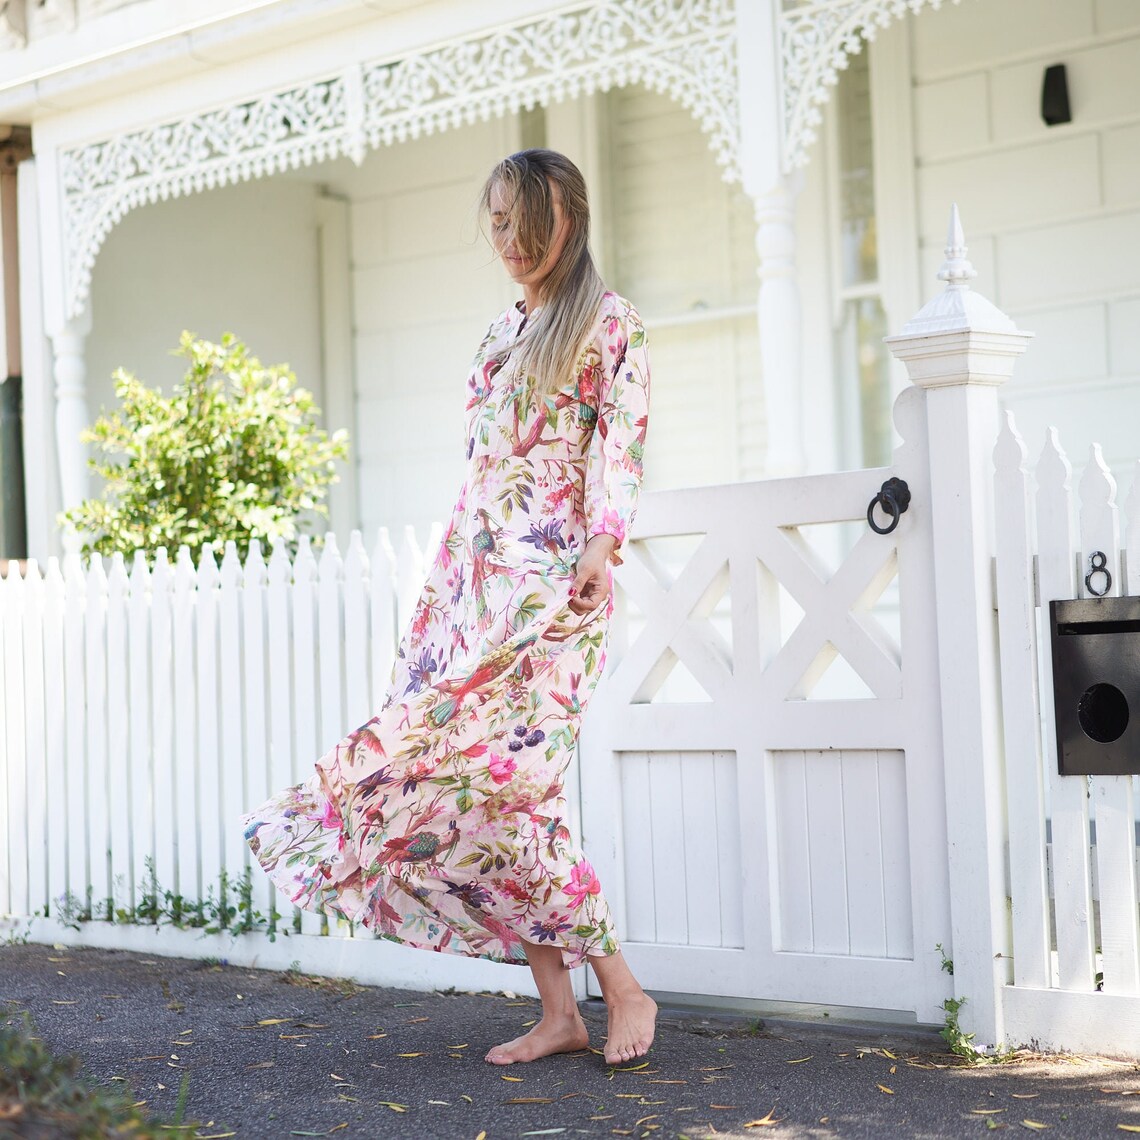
{"points": [[614, 462]]}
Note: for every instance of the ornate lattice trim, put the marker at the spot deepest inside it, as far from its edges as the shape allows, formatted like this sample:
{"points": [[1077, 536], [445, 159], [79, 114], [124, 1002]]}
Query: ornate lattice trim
{"points": [[817, 37], [685, 48]]}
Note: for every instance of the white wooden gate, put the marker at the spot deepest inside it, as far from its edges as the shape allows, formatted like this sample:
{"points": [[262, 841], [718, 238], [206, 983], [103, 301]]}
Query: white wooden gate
{"points": [[762, 774]]}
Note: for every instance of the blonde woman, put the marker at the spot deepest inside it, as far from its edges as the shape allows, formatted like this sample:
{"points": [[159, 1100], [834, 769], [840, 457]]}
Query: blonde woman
{"points": [[442, 822]]}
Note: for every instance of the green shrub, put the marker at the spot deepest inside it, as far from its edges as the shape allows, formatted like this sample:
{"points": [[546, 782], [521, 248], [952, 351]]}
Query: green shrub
{"points": [[233, 453], [43, 1096]]}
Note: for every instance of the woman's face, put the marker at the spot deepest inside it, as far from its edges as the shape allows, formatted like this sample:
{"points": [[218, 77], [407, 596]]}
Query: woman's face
{"points": [[525, 271]]}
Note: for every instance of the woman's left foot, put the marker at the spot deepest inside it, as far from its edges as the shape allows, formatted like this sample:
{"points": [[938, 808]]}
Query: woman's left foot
{"points": [[632, 1022]]}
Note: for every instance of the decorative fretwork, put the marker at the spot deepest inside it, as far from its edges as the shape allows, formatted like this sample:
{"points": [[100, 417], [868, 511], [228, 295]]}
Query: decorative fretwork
{"points": [[685, 48], [817, 37]]}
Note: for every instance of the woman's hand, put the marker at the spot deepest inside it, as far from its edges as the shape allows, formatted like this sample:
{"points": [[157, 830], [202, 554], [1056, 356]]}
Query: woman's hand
{"points": [[592, 583]]}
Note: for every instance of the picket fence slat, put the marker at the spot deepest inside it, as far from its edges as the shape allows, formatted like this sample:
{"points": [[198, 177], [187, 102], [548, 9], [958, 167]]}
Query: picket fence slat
{"points": [[140, 827], [13, 731], [163, 843], [1111, 796], [383, 615], [35, 740], [357, 633], [1021, 714], [212, 827], [55, 760], [186, 813], [231, 801], [118, 734], [1072, 886], [98, 781]]}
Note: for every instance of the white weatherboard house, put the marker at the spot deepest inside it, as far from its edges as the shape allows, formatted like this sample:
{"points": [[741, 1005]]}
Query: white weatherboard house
{"points": [[771, 181]]}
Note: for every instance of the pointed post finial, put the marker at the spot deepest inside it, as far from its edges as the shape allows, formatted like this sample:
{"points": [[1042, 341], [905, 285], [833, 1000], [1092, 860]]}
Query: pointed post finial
{"points": [[956, 270]]}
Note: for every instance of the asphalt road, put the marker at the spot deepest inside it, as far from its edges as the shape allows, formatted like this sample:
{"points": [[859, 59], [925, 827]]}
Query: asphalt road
{"points": [[272, 1055]]}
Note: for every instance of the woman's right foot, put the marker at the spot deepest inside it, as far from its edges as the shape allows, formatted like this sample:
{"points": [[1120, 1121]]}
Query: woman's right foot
{"points": [[549, 1036]]}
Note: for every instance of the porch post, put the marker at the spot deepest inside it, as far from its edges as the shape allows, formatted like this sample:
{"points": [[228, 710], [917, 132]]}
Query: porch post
{"points": [[70, 372], [778, 310], [67, 333], [959, 349], [774, 196]]}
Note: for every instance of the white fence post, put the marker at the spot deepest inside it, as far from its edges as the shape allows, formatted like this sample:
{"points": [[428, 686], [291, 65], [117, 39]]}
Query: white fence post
{"points": [[959, 349]]}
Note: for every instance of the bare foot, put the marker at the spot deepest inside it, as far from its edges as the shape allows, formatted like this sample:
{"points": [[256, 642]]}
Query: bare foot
{"points": [[632, 1022], [549, 1036]]}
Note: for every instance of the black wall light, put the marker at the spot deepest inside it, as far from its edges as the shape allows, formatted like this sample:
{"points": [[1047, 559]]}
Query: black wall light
{"points": [[1055, 96]]}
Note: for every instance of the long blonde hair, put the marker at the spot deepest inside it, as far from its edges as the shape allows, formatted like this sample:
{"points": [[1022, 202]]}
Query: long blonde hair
{"points": [[549, 347]]}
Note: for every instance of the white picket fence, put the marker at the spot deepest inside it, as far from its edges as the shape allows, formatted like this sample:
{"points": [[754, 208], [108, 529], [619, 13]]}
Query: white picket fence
{"points": [[144, 711], [1075, 912]]}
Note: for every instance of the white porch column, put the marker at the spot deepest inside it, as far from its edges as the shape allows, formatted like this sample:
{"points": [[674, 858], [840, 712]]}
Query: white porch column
{"points": [[960, 348], [41, 470], [70, 372], [66, 331], [779, 320], [774, 196]]}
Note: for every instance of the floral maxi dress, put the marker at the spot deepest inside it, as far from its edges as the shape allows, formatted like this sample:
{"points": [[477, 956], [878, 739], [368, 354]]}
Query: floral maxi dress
{"points": [[441, 822]]}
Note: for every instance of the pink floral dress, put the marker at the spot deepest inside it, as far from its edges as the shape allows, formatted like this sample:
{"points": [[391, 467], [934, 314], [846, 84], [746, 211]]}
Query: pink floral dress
{"points": [[442, 822]]}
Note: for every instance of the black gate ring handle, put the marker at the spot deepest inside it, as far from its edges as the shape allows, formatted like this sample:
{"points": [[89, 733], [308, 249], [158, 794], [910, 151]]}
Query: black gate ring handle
{"points": [[894, 498]]}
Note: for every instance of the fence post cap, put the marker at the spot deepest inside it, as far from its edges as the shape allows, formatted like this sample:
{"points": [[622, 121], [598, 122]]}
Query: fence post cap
{"points": [[960, 337]]}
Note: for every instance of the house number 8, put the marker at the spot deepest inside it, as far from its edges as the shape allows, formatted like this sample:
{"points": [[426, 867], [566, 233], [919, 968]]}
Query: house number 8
{"points": [[1098, 564]]}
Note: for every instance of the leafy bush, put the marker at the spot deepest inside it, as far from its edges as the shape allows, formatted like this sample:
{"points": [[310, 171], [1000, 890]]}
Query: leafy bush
{"points": [[43, 1097], [233, 453]]}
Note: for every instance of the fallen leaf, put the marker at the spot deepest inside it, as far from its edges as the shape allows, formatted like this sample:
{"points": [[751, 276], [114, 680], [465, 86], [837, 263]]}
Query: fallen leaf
{"points": [[464, 1096], [392, 1105], [544, 1132], [609, 1117], [417, 1020], [764, 1121], [481, 1136], [336, 1077], [411, 1054], [463, 1046], [799, 1060], [1128, 1127], [658, 1081], [274, 1021], [1031, 1096], [1034, 1125], [633, 1068], [724, 1107], [986, 1111], [530, 1100], [309, 1025], [375, 1036], [506, 1078], [883, 1088], [888, 1053], [445, 1103], [57, 1001], [261, 1065]]}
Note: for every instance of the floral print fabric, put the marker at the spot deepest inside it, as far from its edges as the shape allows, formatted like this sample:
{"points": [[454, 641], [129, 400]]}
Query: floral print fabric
{"points": [[442, 822]]}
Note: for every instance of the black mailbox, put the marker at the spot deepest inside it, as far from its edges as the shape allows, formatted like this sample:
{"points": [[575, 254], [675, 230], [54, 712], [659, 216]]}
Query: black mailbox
{"points": [[1096, 685]]}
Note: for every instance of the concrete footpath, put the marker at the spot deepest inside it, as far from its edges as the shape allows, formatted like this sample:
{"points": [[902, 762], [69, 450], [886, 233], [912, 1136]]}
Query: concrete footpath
{"points": [[273, 1055]]}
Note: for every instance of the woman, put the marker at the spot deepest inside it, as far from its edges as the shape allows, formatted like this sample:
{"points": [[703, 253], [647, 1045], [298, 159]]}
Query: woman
{"points": [[442, 821]]}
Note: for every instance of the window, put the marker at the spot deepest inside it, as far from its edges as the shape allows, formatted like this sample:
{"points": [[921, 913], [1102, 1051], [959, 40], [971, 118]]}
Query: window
{"points": [[862, 360]]}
